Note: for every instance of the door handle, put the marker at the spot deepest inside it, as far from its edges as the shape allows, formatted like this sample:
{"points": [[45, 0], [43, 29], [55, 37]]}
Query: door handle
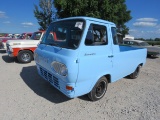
{"points": [[110, 56]]}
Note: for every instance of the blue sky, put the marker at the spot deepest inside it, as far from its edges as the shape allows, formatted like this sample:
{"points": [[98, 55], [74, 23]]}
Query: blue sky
{"points": [[16, 16], [145, 22]]}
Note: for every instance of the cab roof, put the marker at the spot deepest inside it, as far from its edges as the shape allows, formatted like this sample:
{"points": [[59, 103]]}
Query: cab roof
{"points": [[87, 18]]}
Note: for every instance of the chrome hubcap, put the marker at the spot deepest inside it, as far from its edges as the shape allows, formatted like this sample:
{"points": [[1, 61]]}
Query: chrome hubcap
{"points": [[25, 57]]}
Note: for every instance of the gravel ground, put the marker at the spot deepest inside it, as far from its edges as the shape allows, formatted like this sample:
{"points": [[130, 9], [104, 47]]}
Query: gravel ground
{"points": [[25, 95]]}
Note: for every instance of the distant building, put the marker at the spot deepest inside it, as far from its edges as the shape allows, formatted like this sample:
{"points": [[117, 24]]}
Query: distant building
{"points": [[128, 37]]}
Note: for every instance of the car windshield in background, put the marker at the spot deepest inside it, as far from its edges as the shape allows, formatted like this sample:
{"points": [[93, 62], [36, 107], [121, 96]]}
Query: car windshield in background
{"points": [[21, 36], [126, 42], [65, 34], [36, 36], [144, 44]]}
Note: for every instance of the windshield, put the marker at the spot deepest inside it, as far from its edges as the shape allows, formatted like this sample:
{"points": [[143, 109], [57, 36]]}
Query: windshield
{"points": [[21, 36], [66, 34], [36, 36], [144, 44]]}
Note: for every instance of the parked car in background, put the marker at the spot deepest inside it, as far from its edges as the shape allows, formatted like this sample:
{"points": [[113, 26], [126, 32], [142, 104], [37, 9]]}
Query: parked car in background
{"points": [[152, 51], [23, 50], [23, 36], [3, 42], [10, 35], [4, 35], [16, 36]]}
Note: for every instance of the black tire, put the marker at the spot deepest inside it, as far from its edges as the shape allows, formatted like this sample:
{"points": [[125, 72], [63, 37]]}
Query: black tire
{"points": [[135, 74], [25, 56], [149, 56], [99, 89]]}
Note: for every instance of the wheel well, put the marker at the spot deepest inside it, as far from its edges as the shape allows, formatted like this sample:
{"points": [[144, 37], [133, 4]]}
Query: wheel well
{"points": [[141, 64], [27, 50], [108, 78]]}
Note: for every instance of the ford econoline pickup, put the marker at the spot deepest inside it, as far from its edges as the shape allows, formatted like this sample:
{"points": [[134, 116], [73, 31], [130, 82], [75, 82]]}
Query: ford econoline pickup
{"points": [[23, 50], [83, 57]]}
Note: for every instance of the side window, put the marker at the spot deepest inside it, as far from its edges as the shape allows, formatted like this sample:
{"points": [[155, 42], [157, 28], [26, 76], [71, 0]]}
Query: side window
{"points": [[96, 35], [114, 36], [126, 42], [134, 43], [50, 37], [28, 36], [131, 43], [38, 36]]}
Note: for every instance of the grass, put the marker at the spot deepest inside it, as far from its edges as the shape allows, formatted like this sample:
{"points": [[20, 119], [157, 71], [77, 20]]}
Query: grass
{"points": [[153, 42]]}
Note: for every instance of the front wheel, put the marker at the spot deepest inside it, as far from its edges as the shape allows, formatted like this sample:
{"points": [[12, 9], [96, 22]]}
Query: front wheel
{"points": [[25, 56], [135, 73], [99, 89]]}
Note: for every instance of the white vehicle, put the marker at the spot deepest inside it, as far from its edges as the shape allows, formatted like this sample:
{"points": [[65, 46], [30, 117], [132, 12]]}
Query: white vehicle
{"points": [[3, 41], [24, 49]]}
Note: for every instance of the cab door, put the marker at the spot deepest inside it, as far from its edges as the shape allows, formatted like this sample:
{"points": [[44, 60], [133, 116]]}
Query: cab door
{"points": [[95, 56]]}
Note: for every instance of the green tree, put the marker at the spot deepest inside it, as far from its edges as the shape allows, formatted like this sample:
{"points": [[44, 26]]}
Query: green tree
{"points": [[45, 13], [157, 39], [111, 10]]}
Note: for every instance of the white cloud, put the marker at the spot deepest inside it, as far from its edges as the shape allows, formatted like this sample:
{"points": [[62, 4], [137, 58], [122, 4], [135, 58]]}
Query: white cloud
{"points": [[145, 34], [27, 24], [158, 32], [2, 14], [144, 24], [150, 31], [132, 30], [158, 26], [147, 19], [7, 22], [145, 28]]}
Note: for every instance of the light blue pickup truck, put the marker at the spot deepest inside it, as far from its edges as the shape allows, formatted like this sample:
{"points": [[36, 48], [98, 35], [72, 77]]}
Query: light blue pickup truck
{"points": [[81, 55]]}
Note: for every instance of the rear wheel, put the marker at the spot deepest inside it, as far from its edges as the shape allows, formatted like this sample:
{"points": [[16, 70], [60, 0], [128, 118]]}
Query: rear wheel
{"points": [[135, 73], [25, 56], [99, 89]]}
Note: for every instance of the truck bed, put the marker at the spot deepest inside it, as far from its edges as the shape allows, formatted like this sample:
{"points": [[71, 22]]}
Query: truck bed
{"points": [[128, 48]]}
